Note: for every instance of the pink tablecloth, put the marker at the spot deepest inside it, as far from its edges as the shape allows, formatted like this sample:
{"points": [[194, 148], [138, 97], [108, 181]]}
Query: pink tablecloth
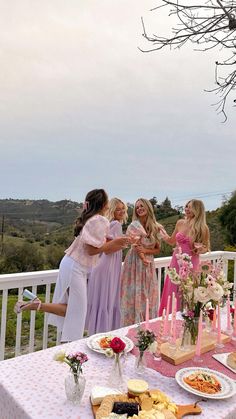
{"points": [[169, 370], [32, 386]]}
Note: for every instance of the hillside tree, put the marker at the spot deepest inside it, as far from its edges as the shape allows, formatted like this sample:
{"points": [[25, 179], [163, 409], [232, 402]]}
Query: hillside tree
{"points": [[228, 218]]}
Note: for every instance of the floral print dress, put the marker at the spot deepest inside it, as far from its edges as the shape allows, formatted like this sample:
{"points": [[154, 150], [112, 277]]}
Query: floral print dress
{"points": [[138, 282]]}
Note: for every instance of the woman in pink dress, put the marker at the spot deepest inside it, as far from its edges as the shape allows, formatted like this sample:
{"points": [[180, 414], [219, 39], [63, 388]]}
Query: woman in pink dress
{"points": [[191, 235], [138, 279], [103, 312], [69, 306]]}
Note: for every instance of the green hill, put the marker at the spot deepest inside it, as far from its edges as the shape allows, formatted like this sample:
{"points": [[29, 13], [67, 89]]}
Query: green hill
{"points": [[35, 233]]}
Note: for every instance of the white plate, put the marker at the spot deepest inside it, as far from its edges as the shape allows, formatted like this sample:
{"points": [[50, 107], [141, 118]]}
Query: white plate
{"points": [[222, 358], [228, 386], [93, 342]]}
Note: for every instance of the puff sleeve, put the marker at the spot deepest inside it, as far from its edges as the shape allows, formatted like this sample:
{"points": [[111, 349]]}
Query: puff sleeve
{"points": [[95, 231]]}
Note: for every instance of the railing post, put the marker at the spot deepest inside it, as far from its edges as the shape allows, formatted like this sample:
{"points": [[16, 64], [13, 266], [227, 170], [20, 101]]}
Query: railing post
{"points": [[3, 324], [47, 278]]}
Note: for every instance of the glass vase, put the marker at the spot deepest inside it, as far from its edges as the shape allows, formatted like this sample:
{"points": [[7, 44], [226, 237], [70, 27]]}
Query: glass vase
{"points": [[208, 324], [74, 387], [116, 379], [140, 363], [190, 332]]}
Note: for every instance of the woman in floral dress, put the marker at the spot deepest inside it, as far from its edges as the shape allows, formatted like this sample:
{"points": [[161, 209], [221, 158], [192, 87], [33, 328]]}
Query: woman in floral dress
{"points": [[139, 280]]}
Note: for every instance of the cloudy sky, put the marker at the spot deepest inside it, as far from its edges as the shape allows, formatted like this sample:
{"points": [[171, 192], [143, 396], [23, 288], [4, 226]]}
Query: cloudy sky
{"points": [[81, 107]]}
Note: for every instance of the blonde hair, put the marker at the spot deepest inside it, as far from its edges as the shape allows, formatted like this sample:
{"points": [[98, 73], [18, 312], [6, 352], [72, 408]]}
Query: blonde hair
{"points": [[152, 227], [112, 207], [199, 231]]}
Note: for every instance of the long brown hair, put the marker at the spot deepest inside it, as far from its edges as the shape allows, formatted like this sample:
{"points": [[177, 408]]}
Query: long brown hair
{"points": [[95, 201]]}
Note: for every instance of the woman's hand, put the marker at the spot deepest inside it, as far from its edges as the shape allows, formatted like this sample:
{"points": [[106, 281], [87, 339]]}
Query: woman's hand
{"points": [[198, 248], [134, 239], [110, 246], [140, 249], [164, 235], [122, 241]]}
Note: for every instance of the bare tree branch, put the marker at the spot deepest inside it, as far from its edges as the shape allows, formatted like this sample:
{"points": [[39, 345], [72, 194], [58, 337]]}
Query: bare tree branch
{"points": [[208, 24]]}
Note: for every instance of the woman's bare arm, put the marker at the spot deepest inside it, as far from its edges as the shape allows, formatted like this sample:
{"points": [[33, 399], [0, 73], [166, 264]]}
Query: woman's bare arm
{"points": [[171, 239], [109, 247]]}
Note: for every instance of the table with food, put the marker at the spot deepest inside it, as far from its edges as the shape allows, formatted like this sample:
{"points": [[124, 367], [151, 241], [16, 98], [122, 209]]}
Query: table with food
{"points": [[33, 386]]}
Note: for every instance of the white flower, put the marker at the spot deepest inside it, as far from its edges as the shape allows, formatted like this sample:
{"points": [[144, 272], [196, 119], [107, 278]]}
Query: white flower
{"points": [[109, 352], [153, 347], [215, 291], [210, 279], [227, 285], [173, 276], [201, 295], [60, 356]]}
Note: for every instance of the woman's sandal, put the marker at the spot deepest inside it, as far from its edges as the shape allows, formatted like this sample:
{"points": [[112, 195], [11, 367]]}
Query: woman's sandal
{"points": [[19, 306]]}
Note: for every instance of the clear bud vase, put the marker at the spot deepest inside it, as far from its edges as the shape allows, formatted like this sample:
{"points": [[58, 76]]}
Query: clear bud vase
{"points": [[74, 386], [116, 379], [190, 332], [140, 363]]}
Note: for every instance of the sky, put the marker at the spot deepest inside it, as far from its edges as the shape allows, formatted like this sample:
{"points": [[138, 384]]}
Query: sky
{"points": [[82, 107]]}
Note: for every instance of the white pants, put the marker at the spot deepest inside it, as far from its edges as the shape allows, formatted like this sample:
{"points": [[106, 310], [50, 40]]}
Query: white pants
{"points": [[71, 289]]}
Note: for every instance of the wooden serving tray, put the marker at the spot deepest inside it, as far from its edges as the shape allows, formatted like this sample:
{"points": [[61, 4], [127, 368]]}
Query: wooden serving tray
{"points": [[177, 356], [183, 410]]}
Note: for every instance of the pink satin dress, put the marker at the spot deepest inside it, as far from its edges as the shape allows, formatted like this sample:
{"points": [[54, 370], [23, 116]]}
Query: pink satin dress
{"points": [[185, 243]]}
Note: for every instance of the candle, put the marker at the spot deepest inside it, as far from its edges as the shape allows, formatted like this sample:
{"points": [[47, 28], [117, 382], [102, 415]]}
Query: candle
{"points": [[163, 316], [166, 323], [173, 301], [173, 320], [147, 314], [174, 308], [214, 320], [235, 317], [228, 314], [218, 325], [199, 336]]}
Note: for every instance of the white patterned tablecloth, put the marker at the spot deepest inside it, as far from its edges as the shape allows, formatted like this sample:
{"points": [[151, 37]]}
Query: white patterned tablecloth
{"points": [[32, 386]]}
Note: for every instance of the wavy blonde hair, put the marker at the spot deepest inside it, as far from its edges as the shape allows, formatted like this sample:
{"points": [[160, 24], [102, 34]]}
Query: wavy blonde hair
{"points": [[152, 227], [199, 231], [112, 207]]}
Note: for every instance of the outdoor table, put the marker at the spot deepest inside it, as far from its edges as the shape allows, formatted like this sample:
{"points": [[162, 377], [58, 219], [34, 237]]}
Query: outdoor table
{"points": [[32, 386]]}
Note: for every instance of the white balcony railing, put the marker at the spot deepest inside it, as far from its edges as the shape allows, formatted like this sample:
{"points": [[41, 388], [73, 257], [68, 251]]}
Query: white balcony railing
{"points": [[33, 280]]}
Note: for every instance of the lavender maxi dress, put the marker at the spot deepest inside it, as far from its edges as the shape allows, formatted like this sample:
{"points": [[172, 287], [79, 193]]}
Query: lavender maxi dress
{"points": [[103, 313]]}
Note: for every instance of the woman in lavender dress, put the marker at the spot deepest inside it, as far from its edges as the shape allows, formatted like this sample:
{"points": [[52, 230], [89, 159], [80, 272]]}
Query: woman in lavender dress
{"points": [[103, 312]]}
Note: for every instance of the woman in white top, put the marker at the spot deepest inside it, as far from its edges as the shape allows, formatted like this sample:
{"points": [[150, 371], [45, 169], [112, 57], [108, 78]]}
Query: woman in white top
{"points": [[69, 306]]}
